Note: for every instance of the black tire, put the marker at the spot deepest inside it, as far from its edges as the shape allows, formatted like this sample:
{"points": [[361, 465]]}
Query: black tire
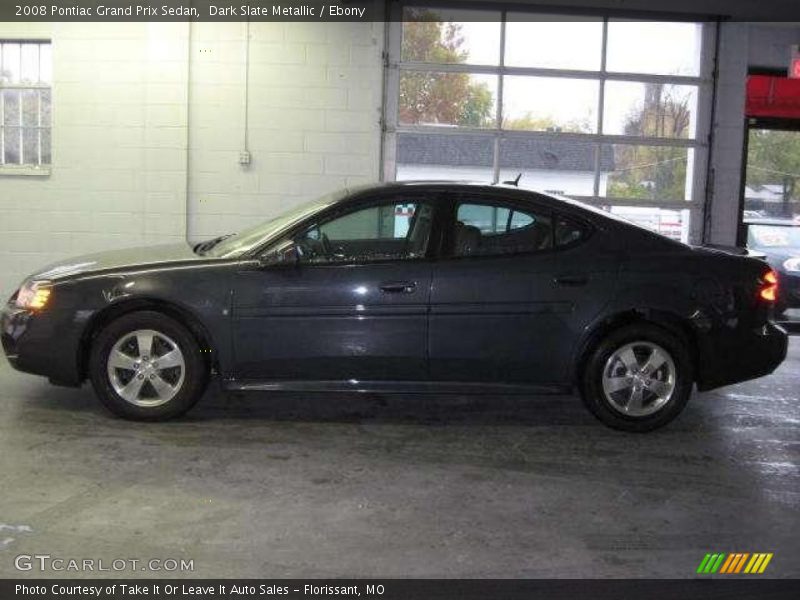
{"points": [[599, 403], [187, 388]]}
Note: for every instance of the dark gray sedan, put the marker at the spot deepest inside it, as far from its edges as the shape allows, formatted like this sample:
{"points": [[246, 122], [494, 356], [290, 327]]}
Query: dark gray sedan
{"points": [[406, 287]]}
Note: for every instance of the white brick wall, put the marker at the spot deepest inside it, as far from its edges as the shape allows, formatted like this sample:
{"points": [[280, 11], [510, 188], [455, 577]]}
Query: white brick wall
{"points": [[314, 109], [125, 97], [119, 152]]}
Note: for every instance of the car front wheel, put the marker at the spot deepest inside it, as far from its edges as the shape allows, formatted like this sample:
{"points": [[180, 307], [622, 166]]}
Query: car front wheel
{"points": [[638, 378], [147, 366]]}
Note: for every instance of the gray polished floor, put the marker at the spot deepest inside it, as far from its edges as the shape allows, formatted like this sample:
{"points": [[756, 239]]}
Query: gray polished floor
{"points": [[419, 486]]}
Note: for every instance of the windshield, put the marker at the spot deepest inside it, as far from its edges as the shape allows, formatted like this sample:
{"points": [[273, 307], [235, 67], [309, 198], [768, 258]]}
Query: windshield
{"points": [[239, 243], [773, 236]]}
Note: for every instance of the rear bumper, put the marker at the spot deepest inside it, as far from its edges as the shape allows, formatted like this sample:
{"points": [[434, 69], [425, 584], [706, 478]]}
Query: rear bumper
{"points": [[40, 344], [725, 360]]}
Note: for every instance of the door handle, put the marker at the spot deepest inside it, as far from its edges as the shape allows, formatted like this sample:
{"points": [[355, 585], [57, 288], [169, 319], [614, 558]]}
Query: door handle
{"points": [[572, 280], [398, 287]]}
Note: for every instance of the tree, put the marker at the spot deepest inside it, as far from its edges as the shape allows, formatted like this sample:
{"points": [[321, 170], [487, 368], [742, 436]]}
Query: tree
{"points": [[530, 122], [447, 98], [657, 172], [773, 158]]}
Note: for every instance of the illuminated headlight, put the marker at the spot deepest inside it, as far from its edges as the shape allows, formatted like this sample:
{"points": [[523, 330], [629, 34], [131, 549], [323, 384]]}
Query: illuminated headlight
{"points": [[792, 264], [33, 295]]}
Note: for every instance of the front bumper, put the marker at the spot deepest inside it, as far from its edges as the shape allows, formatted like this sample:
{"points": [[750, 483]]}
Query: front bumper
{"points": [[40, 344], [729, 359]]}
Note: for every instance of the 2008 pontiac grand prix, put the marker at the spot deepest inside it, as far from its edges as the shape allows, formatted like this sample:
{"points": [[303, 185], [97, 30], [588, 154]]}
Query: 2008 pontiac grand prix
{"points": [[407, 287]]}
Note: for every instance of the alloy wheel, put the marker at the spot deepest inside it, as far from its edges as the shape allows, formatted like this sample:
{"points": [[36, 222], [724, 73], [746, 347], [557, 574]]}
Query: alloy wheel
{"points": [[639, 379], [146, 368]]}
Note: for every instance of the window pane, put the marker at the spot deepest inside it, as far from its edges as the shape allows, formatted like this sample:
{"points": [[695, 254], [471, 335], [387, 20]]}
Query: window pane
{"points": [[46, 107], [650, 109], [45, 63], [10, 107], [658, 48], [520, 219], [12, 145], [486, 230], [46, 147], [10, 67], [772, 181], [428, 98], [562, 167], [368, 224], [671, 223], [30, 146], [30, 108], [447, 36], [30, 63], [439, 156], [651, 172], [550, 104], [553, 42], [487, 218], [386, 232]]}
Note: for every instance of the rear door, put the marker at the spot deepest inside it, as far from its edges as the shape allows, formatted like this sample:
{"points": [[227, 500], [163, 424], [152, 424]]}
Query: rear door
{"points": [[518, 284]]}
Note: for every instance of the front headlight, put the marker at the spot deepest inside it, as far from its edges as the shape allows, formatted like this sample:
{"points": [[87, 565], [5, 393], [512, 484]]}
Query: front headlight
{"points": [[34, 295], [792, 264]]}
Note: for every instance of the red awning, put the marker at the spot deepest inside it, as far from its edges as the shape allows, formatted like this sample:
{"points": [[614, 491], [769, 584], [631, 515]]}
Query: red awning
{"points": [[773, 97]]}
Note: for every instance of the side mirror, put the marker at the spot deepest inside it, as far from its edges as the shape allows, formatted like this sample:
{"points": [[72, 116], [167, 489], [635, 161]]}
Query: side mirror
{"points": [[290, 255]]}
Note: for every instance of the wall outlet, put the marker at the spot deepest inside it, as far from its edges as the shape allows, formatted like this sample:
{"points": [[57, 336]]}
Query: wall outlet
{"points": [[244, 158]]}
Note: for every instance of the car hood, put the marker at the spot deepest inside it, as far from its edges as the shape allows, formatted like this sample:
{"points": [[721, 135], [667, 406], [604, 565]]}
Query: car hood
{"points": [[119, 259]]}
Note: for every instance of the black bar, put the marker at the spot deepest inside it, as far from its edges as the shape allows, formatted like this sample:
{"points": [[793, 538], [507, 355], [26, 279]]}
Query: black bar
{"points": [[727, 588], [377, 10]]}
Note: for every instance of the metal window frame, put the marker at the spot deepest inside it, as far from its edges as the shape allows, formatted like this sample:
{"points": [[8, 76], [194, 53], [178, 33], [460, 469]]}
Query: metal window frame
{"points": [[21, 88], [697, 147]]}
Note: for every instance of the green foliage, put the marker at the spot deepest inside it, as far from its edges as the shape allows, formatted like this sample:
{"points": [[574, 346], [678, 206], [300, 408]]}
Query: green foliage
{"points": [[529, 122], [773, 158], [648, 172], [446, 98], [653, 172]]}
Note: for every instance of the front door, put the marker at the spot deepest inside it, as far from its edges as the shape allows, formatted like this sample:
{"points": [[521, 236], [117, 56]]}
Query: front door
{"points": [[354, 307]]}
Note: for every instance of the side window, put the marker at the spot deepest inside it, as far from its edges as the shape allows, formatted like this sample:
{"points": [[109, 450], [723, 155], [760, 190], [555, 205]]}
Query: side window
{"points": [[387, 231], [569, 232], [496, 230]]}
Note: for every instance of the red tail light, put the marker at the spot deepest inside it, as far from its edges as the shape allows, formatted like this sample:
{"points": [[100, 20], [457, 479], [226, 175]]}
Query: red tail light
{"points": [[768, 288]]}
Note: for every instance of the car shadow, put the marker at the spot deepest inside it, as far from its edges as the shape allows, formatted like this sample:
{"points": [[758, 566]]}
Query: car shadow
{"points": [[442, 410], [424, 409]]}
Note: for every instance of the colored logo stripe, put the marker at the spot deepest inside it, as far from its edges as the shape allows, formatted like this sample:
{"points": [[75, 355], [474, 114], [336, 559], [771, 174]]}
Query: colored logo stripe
{"points": [[734, 562], [710, 563]]}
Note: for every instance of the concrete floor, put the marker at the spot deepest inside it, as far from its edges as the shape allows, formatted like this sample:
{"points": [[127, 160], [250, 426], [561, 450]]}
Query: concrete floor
{"points": [[416, 486]]}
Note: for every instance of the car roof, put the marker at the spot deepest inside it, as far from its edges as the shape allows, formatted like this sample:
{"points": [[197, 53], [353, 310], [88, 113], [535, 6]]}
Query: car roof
{"points": [[518, 192]]}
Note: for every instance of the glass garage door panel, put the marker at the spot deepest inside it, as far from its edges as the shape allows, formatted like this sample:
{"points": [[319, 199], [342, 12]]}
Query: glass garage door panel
{"points": [[445, 156], [672, 223], [436, 35], [659, 173], [553, 166]]}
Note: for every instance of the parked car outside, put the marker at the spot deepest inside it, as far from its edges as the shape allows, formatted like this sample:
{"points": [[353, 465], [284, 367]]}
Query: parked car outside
{"points": [[779, 241], [436, 287]]}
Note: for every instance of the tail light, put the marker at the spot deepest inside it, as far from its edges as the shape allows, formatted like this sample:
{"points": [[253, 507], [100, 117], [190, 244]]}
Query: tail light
{"points": [[768, 286]]}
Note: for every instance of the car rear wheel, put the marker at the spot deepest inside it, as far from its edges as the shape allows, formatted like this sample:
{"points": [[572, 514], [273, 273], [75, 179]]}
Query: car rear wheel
{"points": [[147, 366], [638, 378]]}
